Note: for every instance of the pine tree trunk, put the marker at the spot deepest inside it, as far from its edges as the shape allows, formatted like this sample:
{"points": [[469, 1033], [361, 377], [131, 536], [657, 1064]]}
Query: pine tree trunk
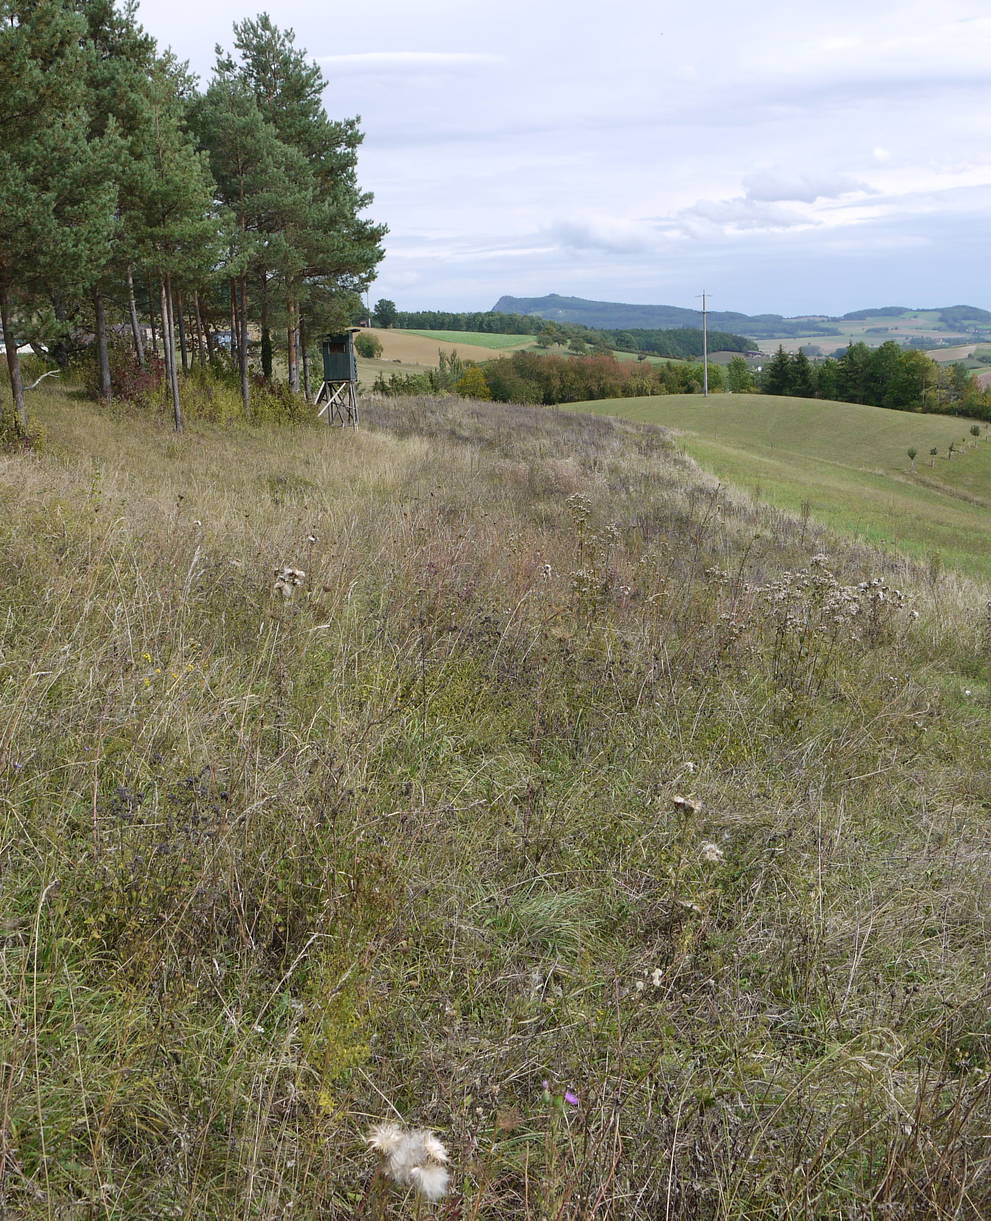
{"points": [[235, 328], [243, 346], [151, 319], [175, 305], [202, 337], [166, 355], [305, 361], [292, 344], [102, 355], [139, 344], [20, 420], [266, 346], [168, 347]]}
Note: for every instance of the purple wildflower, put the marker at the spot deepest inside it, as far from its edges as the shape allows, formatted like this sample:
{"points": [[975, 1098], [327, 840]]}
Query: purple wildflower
{"points": [[571, 1098]]}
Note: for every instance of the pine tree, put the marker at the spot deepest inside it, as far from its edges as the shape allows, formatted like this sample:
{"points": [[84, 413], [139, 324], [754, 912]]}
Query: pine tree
{"points": [[854, 373], [777, 376], [260, 182], [119, 67], [58, 197], [327, 252], [802, 377], [176, 230]]}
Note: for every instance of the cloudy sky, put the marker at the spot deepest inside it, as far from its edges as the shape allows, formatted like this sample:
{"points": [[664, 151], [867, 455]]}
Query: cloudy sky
{"points": [[787, 158]]}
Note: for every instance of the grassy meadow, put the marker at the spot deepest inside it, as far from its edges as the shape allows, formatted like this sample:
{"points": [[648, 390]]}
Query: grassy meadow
{"points": [[562, 769], [478, 339], [844, 463]]}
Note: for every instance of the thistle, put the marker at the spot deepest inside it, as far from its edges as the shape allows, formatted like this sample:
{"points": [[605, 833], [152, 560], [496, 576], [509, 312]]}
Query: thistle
{"points": [[288, 580], [411, 1157]]}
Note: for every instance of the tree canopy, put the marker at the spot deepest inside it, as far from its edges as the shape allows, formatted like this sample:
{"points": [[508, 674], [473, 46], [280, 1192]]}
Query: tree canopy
{"points": [[194, 219], [903, 379]]}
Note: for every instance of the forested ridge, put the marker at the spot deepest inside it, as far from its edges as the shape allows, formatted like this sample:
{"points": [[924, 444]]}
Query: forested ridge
{"points": [[679, 343], [764, 326], [158, 223]]}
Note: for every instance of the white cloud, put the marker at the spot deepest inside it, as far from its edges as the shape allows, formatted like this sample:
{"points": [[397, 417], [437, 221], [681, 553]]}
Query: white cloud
{"points": [[772, 186], [618, 236], [729, 216]]}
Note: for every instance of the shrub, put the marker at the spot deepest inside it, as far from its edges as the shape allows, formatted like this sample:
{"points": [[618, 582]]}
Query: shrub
{"points": [[472, 384], [368, 346], [130, 383]]}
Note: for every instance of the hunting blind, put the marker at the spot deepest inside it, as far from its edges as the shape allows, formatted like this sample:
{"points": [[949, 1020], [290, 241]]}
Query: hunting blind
{"points": [[339, 392]]}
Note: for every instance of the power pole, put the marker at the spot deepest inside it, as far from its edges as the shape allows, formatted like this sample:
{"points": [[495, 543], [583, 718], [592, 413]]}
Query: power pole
{"points": [[705, 347]]}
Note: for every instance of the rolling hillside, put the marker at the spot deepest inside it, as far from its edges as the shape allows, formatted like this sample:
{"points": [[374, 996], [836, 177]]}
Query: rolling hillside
{"points": [[614, 315], [870, 325], [845, 464]]}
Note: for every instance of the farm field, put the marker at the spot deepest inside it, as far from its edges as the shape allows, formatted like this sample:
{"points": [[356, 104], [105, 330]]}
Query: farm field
{"points": [[967, 354], [419, 351], [843, 463], [499, 343], [920, 324]]}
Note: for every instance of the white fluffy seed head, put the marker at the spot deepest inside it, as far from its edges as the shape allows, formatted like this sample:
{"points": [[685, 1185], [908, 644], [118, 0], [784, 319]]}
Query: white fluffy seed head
{"points": [[384, 1138], [411, 1157], [430, 1181]]}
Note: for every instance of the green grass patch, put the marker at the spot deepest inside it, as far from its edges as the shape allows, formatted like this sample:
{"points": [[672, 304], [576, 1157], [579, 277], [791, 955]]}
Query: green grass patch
{"points": [[498, 343], [844, 463]]}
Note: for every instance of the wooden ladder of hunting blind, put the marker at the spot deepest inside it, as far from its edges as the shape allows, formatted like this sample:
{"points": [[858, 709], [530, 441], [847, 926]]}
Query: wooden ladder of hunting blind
{"points": [[338, 396]]}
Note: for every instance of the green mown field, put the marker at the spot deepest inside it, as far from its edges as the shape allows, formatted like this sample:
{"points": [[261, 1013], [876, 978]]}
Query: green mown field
{"points": [[845, 464], [499, 343]]}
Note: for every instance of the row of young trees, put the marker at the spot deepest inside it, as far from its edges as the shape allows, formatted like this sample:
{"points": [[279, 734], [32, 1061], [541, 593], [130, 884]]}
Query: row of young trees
{"points": [[133, 202], [886, 376]]}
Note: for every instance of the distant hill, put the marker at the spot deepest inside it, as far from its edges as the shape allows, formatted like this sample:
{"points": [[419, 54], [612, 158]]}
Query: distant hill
{"points": [[617, 315], [952, 315]]}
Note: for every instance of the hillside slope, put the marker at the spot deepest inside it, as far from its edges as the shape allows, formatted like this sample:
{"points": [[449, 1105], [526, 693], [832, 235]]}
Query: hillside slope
{"points": [[844, 463], [567, 805], [615, 315], [870, 325]]}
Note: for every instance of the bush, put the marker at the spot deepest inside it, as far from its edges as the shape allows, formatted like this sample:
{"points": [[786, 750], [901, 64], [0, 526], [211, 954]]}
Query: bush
{"points": [[368, 346], [129, 382], [473, 385]]}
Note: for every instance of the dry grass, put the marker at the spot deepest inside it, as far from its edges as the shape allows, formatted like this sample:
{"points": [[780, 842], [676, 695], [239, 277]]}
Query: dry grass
{"points": [[421, 350], [406, 842]]}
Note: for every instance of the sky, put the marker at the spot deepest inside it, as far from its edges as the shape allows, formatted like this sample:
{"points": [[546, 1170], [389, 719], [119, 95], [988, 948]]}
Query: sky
{"points": [[785, 158]]}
